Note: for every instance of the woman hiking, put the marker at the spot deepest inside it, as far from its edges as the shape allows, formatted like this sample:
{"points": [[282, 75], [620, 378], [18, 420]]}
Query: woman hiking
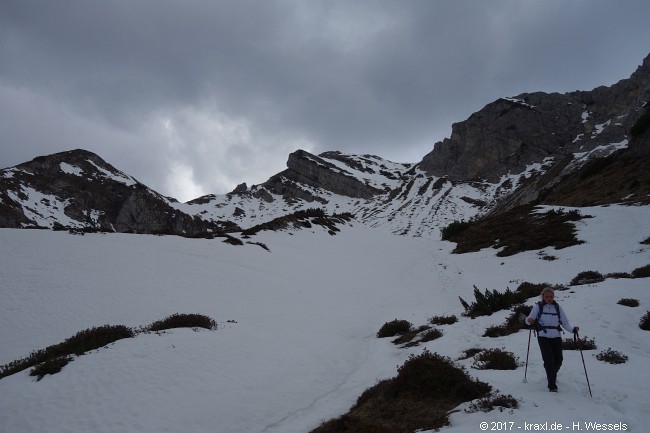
{"points": [[548, 316]]}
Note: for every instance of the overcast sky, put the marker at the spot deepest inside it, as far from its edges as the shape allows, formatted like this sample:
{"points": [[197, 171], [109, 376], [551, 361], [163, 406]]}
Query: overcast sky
{"points": [[194, 97]]}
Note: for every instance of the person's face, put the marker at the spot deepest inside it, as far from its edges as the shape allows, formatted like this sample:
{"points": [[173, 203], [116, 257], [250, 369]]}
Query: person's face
{"points": [[548, 297]]}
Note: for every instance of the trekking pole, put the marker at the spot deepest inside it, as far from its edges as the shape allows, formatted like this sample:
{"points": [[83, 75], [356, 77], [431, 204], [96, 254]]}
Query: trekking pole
{"points": [[527, 352], [576, 339]]}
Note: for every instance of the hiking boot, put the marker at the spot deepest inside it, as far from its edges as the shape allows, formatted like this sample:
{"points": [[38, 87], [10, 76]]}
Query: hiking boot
{"points": [[552, 388]]}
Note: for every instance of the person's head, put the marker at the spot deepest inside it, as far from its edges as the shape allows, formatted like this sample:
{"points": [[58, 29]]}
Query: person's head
{"points": [[548, 295]]}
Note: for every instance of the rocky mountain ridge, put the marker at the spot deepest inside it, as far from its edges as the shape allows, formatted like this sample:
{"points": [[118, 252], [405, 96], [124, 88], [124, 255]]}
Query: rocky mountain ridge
{"points": [[511, 133], [505, 155], [78, 189]]}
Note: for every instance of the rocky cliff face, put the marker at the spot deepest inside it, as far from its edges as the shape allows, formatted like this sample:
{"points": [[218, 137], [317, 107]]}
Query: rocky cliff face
{"points": [[78, 189], [511, 133], [316, 171]]}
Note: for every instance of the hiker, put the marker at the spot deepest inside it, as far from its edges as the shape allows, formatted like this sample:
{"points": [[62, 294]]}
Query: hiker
{"points": [[548, 316]]}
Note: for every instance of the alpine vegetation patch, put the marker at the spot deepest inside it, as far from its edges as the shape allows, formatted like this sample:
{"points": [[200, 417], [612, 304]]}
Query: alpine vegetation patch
{"points": [[51, 366], [644, 323], [53, 358], [182, 321], [642, 272], [513, 323], [80, 343], [491, 402], [426, 388], [489, 302], [612, 356], [443, 320], [430, 335], [587, 277], [496, 359], [583, 343], [628, 302], [468, 353], [522, 228], [408, 338], [393, 328]]}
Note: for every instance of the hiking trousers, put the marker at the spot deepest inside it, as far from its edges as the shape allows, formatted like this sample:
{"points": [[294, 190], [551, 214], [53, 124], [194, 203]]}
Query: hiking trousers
{"points": [[551, 349]]}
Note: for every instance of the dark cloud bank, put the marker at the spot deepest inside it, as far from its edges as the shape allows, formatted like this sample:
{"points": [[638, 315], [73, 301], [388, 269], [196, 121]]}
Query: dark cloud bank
{"points": [[193, 97]]}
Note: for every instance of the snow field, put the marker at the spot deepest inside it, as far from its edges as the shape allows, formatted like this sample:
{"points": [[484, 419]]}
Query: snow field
{"points": [[303, 347]]}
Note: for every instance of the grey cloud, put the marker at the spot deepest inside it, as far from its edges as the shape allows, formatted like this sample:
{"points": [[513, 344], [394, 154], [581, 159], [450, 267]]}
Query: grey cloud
{"points": [[378, 77]]}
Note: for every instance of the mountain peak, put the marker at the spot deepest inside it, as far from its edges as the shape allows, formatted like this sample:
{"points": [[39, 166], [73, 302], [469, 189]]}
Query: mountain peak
{"points": [[78, 189], [511, 133]]}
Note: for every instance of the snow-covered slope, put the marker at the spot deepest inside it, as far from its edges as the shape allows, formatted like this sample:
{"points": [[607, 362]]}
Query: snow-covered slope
{"points": [[296, 341], [408, 202]]}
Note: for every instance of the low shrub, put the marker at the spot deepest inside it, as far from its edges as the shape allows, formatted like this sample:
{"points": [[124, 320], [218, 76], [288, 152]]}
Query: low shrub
{"points": [[393, 328], [642, 272], [497, 331], [455, 228], [628, 302], [430, 374], [587, 277], [513, 323], [80, 343], [430, 335], [427, 387], [51, 366], [492, 301], [182, 321], [618, 275], [528, 290], [93, 338], [644, 323], [489, 302], [496, 359], [443, 320], [408, 336], [53, 358], [584, 343], [468, 353], [491, 402], [612, 356]]}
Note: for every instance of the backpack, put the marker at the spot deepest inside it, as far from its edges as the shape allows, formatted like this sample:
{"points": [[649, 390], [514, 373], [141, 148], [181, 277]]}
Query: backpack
{"points": [[541, 311]]}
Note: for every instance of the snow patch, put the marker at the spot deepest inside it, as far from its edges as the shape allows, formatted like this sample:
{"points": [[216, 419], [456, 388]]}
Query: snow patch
{"points": [[71, 169], [117, 176]]}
